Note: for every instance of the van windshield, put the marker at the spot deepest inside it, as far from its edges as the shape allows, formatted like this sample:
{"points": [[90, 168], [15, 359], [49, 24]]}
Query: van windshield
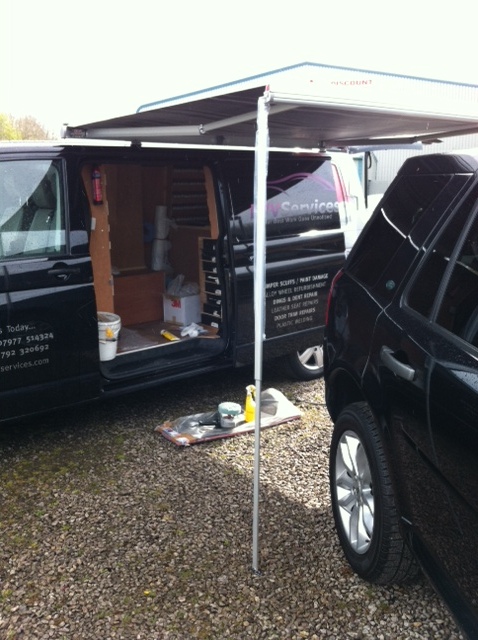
{"points": [[303, 195]]}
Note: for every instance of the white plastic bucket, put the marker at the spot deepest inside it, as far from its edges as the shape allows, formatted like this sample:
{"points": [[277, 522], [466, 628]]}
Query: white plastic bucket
{"points": [[109, 326]]}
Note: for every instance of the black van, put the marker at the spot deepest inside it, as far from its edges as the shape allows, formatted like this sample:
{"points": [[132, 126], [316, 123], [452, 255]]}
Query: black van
{"points": [[122, 267]]}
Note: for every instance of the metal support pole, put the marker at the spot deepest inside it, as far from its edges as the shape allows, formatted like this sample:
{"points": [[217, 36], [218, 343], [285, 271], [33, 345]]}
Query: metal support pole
{"points": [[260, 201]]}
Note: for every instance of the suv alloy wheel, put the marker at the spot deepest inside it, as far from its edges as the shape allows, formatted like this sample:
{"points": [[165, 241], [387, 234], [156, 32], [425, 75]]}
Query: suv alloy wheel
{"points": [[363, 500]]}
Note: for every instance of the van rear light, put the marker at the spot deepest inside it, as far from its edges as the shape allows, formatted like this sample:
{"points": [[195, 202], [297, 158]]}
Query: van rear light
{"points": [[335, 279]]}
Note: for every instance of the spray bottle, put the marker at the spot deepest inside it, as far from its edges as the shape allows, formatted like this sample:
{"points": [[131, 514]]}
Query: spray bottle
{"points": [[250, 405]]}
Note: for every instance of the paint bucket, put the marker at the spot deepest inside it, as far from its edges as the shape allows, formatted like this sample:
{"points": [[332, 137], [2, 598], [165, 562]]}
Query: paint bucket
{"points": [[228, 413], [109, 325]]}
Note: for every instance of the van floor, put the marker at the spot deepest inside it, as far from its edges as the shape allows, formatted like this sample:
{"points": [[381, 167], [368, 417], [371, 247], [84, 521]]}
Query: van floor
{"points": [[148, 336]]}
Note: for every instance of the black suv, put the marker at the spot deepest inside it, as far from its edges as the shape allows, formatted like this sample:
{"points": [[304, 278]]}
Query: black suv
{"points": [[401, 377]]}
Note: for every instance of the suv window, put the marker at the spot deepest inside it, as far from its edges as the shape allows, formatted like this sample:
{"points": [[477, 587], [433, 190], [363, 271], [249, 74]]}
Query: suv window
{"points": [[400, 211], [32, 221], [453, 262]]}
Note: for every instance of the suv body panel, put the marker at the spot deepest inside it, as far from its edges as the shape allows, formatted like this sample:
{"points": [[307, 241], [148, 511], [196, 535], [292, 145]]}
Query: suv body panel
{"points": [[388, 341]]}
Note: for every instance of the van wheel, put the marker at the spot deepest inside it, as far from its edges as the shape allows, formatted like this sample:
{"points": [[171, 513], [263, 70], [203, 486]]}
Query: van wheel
{"points": [[363, 501], [308, 364]]}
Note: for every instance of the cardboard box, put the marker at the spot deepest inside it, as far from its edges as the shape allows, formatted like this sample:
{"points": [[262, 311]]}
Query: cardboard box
{"points": [[182, 310]]}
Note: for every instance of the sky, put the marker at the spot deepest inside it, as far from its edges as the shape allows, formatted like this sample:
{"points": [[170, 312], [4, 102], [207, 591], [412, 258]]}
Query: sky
{"points": [[78, 62]]}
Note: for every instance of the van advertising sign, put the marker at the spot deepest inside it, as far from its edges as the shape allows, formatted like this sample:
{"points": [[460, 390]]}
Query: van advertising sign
{"points": [[300, 199], [295, 302], [27, 352], [302, 196]]}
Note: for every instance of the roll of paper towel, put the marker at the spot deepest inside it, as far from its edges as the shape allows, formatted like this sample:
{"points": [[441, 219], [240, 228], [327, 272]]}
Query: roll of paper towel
{"points": [[161, 222]]}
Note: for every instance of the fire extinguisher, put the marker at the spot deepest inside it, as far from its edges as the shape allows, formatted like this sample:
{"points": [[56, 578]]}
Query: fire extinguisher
{"points": [[97, 188]]}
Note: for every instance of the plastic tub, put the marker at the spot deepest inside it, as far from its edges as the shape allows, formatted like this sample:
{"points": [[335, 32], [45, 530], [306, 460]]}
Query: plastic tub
{"points": [[228, 413]]}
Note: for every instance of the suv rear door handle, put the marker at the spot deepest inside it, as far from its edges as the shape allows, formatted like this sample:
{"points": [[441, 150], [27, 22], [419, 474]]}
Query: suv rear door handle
{"points": [[399, 368]]}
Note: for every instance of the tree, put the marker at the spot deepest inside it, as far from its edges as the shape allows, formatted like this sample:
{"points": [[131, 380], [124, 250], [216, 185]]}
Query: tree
{"points": [[31, 129], [24, 128], [7, 128]]}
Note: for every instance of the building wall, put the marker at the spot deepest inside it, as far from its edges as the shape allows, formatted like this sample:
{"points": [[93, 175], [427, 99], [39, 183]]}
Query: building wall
{"points": [[385, 164]]}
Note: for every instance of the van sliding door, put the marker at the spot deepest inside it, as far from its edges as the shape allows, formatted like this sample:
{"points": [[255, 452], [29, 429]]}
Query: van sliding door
{"points": [[304, 249]]}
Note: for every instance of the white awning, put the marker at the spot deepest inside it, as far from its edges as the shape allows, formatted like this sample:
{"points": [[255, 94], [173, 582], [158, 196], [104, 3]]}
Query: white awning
{"points": [[311, 105]]}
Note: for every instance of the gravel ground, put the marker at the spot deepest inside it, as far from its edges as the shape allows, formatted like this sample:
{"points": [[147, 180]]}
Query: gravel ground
{"points": [[109, 531]]}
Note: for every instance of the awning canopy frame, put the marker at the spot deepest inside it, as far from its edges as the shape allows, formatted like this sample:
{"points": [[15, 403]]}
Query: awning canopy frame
{"points": [[310, 106]]}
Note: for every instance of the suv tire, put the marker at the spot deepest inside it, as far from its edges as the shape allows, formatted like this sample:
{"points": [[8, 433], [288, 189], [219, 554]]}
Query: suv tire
{"points": [[363, 500]]}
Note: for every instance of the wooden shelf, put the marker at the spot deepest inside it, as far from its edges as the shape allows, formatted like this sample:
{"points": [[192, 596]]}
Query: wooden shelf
{"points": [[138, 298]]}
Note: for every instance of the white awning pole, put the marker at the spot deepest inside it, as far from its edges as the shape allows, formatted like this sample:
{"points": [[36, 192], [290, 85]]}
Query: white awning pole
{"points": [[260, 200]]}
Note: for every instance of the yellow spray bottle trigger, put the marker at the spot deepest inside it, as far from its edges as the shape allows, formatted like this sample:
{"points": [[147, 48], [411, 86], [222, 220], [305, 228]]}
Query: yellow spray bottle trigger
{"points": [[250, 405]]}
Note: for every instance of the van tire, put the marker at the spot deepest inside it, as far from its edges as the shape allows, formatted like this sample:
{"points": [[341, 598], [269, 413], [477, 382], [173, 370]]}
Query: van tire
{"points": [[307, 364]]}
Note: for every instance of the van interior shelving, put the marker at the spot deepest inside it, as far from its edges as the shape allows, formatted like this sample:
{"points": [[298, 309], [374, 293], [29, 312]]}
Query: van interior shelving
{"points": [[121, 241]]}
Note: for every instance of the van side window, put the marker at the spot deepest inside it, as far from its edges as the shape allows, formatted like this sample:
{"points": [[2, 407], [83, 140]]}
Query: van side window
{"points": [[32, 220], [303, 195]]}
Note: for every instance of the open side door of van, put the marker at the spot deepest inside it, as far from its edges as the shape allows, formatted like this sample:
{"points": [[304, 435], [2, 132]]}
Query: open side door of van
{"points": [[307, 217]]}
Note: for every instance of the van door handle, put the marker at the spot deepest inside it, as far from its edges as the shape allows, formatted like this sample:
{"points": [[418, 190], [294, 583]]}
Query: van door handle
{"points": [[64, 272], [399, 368]]}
